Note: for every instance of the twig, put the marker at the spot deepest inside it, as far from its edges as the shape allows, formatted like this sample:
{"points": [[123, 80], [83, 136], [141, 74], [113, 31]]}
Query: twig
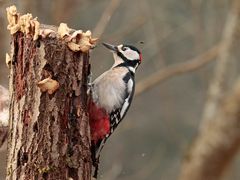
{"points": [[105, 18], [181, 68]]}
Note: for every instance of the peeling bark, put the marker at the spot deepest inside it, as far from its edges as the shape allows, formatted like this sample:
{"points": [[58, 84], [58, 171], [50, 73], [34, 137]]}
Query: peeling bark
{"points": [[48, 133]]}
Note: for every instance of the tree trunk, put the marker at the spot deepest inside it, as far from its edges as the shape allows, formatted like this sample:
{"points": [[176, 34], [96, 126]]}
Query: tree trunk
{"points": [[48, 130]]}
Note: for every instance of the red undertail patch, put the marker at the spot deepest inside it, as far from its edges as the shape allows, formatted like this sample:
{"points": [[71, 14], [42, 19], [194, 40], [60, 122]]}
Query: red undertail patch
{"points": [[99, 122]]}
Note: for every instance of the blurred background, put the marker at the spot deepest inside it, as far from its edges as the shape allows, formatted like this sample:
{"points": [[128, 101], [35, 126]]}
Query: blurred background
{"points": [[163, 120]]}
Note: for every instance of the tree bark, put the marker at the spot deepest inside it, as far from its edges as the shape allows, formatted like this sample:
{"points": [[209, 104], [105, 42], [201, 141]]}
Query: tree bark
{"points": [[48, 131]]}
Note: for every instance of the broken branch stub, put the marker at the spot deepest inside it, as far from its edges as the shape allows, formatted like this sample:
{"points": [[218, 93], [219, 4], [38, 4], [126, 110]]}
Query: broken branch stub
{"points": [[49, 131]]}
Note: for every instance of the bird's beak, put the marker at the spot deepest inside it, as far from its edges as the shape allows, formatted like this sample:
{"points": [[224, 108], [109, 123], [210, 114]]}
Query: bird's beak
{"points": [[110, 46]]}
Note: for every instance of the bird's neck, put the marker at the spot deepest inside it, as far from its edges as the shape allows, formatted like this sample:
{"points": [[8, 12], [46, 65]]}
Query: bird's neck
{"points": [[130, 64], [117, 60]]}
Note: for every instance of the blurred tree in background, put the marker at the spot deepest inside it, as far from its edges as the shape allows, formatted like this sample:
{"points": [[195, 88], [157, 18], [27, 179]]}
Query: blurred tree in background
{"points": [[166, 116]]}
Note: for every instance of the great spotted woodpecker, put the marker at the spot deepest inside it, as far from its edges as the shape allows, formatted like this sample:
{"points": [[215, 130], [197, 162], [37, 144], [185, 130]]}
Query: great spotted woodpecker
{"points": [[111, 96]]}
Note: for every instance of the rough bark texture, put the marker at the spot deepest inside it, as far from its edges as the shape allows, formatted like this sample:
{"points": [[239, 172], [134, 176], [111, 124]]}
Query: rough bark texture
{"points": [[217, 144], [49, 133]]}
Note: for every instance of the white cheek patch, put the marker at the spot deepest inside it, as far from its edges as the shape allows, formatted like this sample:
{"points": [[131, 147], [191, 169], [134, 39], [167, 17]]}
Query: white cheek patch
{"points": [[130, 54]]}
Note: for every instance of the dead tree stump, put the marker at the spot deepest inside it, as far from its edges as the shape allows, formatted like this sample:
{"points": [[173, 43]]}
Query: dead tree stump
{"points": [[48, 129]]}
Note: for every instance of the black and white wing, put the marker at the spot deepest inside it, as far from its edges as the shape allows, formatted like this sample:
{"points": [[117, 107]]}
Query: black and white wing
{"points": [[115, 118], [117, 115]]}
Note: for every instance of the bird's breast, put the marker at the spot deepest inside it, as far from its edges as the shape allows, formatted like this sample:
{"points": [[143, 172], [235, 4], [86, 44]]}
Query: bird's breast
{"points": [[110, 91]]}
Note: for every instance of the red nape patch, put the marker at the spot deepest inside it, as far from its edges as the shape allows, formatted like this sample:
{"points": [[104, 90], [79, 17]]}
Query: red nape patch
{"points": [[140, 56], [99, 122]]}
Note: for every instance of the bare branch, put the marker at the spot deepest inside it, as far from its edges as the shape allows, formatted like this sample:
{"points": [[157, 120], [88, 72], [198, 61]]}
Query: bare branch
{"points": [[105, 18], [219, 80], [219, 136], [177, 69], [217, 144]]}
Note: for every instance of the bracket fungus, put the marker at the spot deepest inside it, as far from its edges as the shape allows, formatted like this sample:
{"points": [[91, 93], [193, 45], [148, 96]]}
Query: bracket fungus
{"points": [[25, 23], [77, 40], [48, 85]]}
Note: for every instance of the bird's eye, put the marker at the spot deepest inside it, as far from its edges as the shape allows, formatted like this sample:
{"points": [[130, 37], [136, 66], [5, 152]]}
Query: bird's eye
{"points": [[124, 48]]}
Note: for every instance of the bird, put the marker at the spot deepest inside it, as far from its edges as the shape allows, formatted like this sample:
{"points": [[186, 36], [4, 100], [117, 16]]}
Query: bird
{"points": [[111, 96]]}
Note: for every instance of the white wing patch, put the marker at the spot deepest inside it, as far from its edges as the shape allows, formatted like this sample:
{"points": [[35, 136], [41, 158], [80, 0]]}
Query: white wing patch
{"points": [[124, 108], [130, 86], [132, 69], [126, 102]]}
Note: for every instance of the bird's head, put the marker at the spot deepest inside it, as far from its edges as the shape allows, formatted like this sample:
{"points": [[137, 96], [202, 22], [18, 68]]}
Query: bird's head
{"points": [[125, 54]]}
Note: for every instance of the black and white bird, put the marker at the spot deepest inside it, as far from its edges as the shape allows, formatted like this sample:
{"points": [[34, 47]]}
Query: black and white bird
{"points": [[111, 96]]}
